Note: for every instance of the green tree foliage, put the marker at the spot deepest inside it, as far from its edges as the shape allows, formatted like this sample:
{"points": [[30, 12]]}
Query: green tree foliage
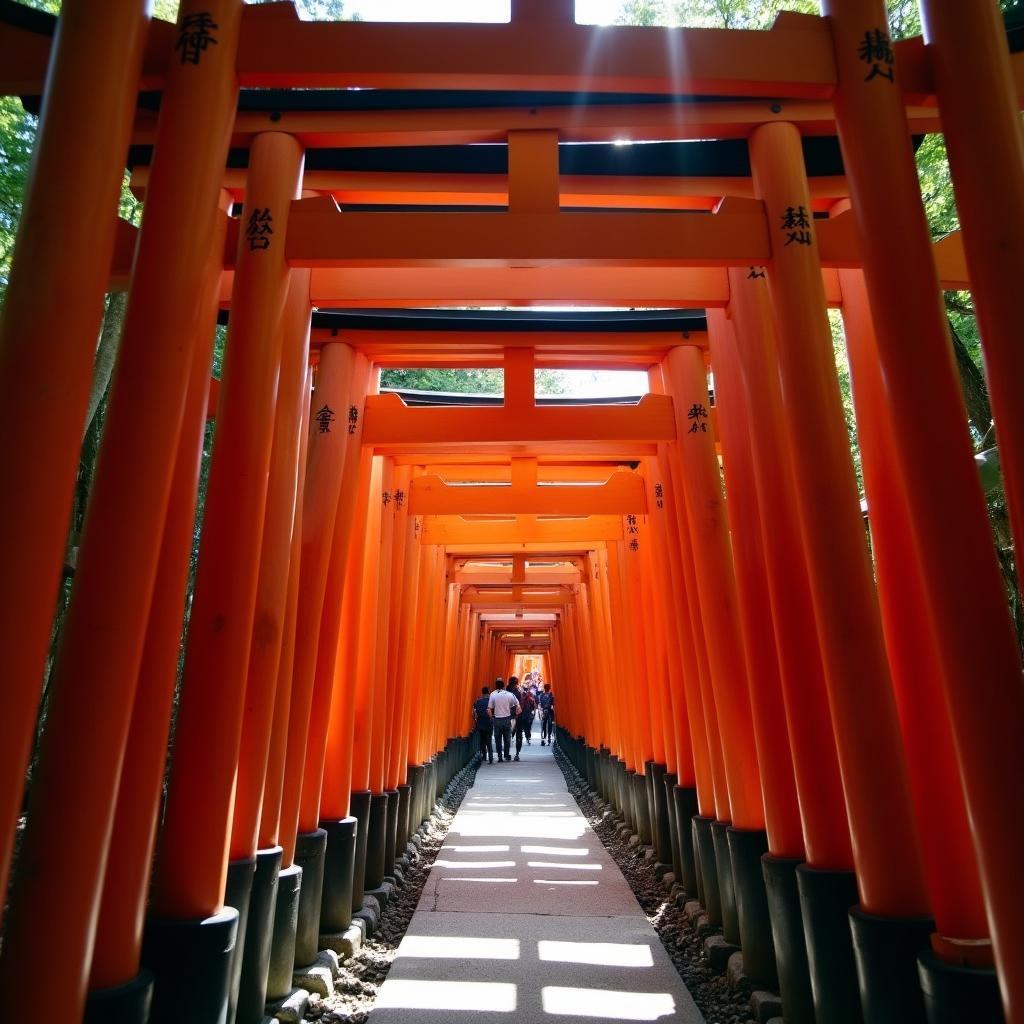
{"points": [[464, 381]]}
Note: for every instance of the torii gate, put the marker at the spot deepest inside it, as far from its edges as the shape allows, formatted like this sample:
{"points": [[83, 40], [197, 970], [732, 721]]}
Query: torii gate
{"points": [[810, 710]]}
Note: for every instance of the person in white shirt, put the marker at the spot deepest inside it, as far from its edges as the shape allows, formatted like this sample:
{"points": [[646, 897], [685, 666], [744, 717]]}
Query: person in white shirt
{"points": [[502, 707]]}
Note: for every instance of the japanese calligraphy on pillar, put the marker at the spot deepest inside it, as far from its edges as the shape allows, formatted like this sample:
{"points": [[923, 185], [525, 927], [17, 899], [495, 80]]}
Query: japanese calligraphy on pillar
{"points": [[353, 419], [755, 272], [258, 229], [385, 498], [796, 222], [876, 49], [698, 414], [632, 531], [196, 33], [659, 495], [399, 497], [324, 418]]}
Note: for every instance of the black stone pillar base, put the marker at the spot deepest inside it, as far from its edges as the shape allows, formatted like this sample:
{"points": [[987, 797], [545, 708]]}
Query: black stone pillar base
{"points": [[237, 892], [641, 808], [282, 943], [359, 805], [339, 875], [375, 841], [707, 878], [259, 932], [415, 777], [685, 800], [404, 808], [191, 966], [652, 837], [886, 950], [788, 933], [123, 1004], [616, 784], [726, 884], [954, 994], [746, 847], [662, 831], [390, 831], [825, 901], [669, 784], [310, 850]]}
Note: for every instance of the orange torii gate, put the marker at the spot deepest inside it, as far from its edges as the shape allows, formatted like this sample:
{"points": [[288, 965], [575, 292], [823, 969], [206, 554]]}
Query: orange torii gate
{"points": [[839, 731]]}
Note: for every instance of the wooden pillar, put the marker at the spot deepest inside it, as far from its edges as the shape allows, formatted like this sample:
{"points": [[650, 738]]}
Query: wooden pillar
{"points": [[366, 642], [331, 706], [345, 760], [720, 786], [53, 304], [284, 483], [860, 690], [970, 64], [691, 731], [966, 597], [192, 864], [782, 815], [94, 680], [126, 882], [946, 849], [716, 586], [826, 833]]}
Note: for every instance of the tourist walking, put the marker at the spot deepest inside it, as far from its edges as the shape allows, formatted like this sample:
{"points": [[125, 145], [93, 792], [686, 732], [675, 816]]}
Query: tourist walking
{"points": [[525, 701], [482, 723], [546, 702], [502, 706]]}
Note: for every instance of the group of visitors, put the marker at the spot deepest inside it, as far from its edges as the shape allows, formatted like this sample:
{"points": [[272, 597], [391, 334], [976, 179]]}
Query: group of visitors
{"points": [[505, 711]]}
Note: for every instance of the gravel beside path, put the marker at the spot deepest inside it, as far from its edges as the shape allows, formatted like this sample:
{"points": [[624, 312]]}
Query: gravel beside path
{"points": [[361, 977], [683, 942]]}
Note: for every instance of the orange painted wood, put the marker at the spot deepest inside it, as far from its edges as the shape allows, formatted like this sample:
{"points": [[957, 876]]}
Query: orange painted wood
{"points": [[715, 582], [849, 629], [118, 941], [322, 236], [285, 480], [191, 872], [84, 123], [93, 684], [778, 786], [826, 832], [332, 706], [917, 670]]}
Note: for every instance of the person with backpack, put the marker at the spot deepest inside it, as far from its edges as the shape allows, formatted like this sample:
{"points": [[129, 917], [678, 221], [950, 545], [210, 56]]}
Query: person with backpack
{"points": [[526, 708], [502, 706], [482, 723], [546, 702]]}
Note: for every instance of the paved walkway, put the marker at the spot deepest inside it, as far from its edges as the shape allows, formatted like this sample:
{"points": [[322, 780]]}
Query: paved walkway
{"points": [[525, 917]]}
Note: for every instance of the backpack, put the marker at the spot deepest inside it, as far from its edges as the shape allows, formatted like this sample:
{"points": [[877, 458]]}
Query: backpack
{"points": [[483, 720]]}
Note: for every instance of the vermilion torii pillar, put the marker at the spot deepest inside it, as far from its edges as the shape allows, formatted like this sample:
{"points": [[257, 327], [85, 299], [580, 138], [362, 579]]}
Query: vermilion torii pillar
{"points": [[188, 891], [826, 833], [947, 851], [783, 834], [970, 63], [53, 304], [966, 598], [126, 883], [868, 741], [95, 677], [252, 870]]}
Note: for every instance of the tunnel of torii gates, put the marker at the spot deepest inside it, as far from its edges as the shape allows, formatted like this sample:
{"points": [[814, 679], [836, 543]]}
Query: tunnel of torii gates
{"points": [[825, 745]]}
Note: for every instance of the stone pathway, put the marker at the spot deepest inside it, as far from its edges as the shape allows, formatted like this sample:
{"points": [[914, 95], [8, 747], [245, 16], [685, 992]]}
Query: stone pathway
{"points": [[526, 917]]}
